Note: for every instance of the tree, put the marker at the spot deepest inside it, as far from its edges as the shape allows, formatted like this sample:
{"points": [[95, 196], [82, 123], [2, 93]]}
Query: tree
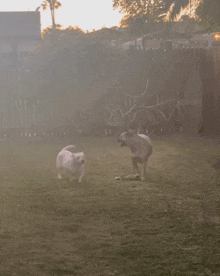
{"points": [[165, 103], [145, 10], [155, 118], [149, 11], [69, 71], [53, 5], [209, 13], [174, 8]]}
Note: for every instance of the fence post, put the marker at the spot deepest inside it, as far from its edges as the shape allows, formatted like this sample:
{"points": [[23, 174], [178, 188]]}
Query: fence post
{"points": [[208, 101]]}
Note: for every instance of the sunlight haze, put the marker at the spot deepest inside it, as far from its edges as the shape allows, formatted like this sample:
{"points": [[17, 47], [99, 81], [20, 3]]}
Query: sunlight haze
{"points": [[87, 14]]}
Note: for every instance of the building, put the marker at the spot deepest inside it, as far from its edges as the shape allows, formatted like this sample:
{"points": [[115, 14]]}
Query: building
{"points": [[181, 34], [20, 32]]}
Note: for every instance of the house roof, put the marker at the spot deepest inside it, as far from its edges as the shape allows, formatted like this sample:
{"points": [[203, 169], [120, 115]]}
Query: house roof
{"points": [[22, 24]]}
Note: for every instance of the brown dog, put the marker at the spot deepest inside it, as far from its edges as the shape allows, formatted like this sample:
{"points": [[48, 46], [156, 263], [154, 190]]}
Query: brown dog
{"points": [[140, 147]]}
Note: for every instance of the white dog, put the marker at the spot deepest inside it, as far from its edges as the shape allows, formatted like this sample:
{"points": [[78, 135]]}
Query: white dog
{"points": [[68, 163]]}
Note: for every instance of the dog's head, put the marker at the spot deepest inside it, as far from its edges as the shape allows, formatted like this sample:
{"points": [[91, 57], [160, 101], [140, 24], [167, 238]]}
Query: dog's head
{"points": [[80, 157], [121, 139]]}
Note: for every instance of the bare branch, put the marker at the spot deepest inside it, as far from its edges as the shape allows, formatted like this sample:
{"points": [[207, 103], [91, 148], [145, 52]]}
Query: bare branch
{"points": [[162, 114], [138, 96], [158, 104], [145, 89], [111, 107], [134, 99], [129, 111], [114, 108]]}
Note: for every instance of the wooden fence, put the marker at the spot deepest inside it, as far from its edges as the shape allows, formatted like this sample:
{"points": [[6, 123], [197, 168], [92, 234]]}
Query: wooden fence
{"points": [[19, 113]]}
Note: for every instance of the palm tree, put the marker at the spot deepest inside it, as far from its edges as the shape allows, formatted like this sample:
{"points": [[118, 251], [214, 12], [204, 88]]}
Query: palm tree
{"points": [[172, 8], [53, 5]]}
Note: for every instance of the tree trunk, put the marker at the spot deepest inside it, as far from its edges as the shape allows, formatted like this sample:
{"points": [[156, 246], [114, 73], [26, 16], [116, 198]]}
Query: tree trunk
{"points": [[53, 20], [52, 16]]}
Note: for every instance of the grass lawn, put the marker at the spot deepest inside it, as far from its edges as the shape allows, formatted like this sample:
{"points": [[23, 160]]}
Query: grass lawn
{"points": [[166, 225]]}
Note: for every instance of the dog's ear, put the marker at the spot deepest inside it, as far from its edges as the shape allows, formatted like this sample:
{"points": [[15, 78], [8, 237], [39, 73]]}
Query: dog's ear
{"points": [[129, 134], [131, 130]]}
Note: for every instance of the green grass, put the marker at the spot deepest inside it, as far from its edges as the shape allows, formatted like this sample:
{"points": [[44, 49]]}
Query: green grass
{"points": [[166, 225]]}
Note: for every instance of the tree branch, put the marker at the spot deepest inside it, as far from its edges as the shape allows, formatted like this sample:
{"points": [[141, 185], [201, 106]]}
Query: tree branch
{"points": [[138, 96]]}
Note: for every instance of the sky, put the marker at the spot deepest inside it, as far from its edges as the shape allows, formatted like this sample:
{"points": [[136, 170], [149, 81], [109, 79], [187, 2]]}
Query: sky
{"points": [[87, 14]]}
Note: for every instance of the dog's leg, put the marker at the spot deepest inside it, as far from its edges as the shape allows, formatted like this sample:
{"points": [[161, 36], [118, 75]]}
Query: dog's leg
{"points": [[143, 170], [59, 176], [82, 172], [135, 166], [61, 172]]}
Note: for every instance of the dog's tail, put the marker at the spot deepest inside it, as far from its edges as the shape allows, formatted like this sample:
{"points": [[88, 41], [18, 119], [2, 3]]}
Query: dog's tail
{"points": [[69, 147]]}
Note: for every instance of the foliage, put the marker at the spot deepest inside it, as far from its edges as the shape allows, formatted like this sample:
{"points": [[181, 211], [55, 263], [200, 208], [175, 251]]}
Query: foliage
{"points": [[137, 8], [172, 8], [71, 69], [138, 12], [135, 25], [209, 14], [147, 11], [52, 5]]}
